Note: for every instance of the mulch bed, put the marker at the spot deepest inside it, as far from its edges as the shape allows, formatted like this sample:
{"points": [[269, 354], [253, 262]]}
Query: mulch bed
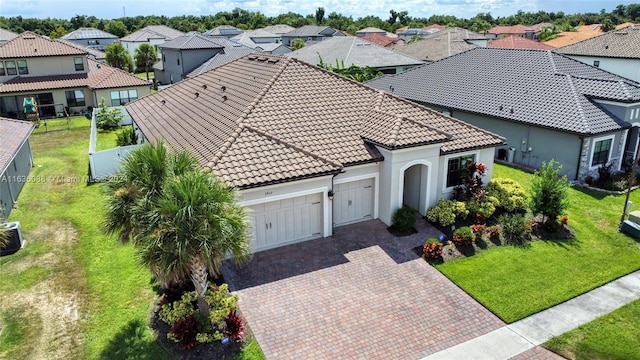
{"points": [[395, 232]]}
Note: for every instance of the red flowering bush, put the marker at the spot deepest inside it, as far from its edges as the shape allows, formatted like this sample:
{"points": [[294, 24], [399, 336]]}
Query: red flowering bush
{"points": [[463, 236], [233, 326], [432, 249]]}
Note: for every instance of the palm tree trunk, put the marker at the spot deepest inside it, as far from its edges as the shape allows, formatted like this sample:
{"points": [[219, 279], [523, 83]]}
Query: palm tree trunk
{"points": [[199, 279]]}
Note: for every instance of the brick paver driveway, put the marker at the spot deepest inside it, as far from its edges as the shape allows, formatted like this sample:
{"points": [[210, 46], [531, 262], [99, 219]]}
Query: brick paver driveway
{"points": [[361, 294]]}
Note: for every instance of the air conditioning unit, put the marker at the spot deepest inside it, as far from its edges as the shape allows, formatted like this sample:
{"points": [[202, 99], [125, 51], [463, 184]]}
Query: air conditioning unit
{"points": [[15, 241]]}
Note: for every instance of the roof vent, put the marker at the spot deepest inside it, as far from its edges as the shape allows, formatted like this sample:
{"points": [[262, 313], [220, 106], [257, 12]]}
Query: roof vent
{"points": [[223, 88], [273, 61], [163, 102], [204, 86], [391, 88], [224, 98], [501, 107], [197, 94], [511, 110], [35, 50]]}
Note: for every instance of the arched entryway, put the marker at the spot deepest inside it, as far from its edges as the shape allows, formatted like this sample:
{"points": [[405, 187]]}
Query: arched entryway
{"points": [[415, 185]]}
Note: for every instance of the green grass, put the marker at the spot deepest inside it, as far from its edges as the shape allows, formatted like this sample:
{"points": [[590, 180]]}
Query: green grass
{"points": [[613, 336], [69, 263], [143, 75], [515, 282]]}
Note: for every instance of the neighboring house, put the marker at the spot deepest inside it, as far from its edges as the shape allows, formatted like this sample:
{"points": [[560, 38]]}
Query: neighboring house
{"points": [[184, 54], [60, 77], [94, 54], [529, 32], [6, 35], [16, 161], [372, 30], [547, 105], [309, 149], [279, 29], [571, 37], [228, 55], [409, 34], [617, 51], [383, 40], [310, 34], [226, 31], [262, 41], [153, 35], [441, 44], [517, 42], [355, 51], [90, 37], [436, 27]]}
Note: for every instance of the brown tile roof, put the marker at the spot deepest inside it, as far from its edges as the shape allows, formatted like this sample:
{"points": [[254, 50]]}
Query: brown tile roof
{"points": [[621, 43], [439, 45], [264, 119], [99, 76], [517, 42], [515, 29], [380, 39], [29, 44], [572, 37], [434, 26], [13, 133]]}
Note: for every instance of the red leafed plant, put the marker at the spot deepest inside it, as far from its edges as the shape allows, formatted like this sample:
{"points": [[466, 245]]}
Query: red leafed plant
{"points": [[233, 326], [184, 332], [478, 230], [432, 249]]}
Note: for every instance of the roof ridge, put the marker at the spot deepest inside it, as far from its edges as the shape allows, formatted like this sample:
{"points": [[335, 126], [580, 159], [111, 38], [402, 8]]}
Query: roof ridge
{"points": [[408, 119], [295, 147], [353, 43], [553, 63], [574, 92]]}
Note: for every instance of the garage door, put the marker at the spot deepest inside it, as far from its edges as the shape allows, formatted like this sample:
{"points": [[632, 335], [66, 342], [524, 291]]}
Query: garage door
{"points": [[287, 221], [352, 202]]}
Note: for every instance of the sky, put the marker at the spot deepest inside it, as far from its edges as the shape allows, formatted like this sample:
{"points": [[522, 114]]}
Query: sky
{"points": [[109, 9]]}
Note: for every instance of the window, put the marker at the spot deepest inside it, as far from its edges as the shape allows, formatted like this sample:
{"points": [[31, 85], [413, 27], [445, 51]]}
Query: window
{"points": [[92, 42], [79, 63], [11, 67], [75, 98], [457, 169], [123, 97], [2, 72], [601, 151], [23, 69], [596, 63]]}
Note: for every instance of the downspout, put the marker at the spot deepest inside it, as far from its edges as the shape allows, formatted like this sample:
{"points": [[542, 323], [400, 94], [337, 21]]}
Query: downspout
{"points": [[579, 158]]}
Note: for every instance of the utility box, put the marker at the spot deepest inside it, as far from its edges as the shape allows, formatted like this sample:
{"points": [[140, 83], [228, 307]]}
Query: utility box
{"points": [[15, 238]]}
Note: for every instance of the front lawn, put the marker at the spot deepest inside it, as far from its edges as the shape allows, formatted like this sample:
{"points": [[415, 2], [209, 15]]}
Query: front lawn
{"points": [[515, 282], [72, 292]]}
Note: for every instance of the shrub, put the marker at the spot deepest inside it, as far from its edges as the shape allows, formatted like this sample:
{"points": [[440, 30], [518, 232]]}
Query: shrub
{"points": [[478, 230], [510, 194], [446, 212], [108, 118], [549, 192], [233, 326], [404, 218], [482, 205], [432, 249], [184, 331], [564, 220], [605, 171], [515, 228], [463, 236], [127, 137], [494, 233]]}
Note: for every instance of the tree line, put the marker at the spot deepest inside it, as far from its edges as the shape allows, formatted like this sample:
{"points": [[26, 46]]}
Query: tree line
{"points": [[245, 19]]}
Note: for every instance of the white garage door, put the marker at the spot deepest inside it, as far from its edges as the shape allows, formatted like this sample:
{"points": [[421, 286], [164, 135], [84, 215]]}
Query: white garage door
{"points": [[287, 221], [352, 201]]}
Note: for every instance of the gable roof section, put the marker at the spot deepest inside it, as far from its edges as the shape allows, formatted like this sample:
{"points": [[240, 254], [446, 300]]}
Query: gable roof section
{"points": [[517, 42], [518, 93], [13, 133], [311, 30], [6, 35], [153, 32], [434, 27], [91, 52], [29, 44], [514, 29], [223, 30], [621, 43], [571, 37], [228, 55], [353, 51], [266, 119], [279, 29], [382, 40], [441, 44], [98, 76], [88, 33], [194, 41]]}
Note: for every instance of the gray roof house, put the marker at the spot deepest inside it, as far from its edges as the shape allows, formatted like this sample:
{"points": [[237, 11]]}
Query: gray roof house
{"points": [[552, 108], [279, 29], [310, 150], [441, 44], [408, 34], [184, 54], [91, 37], [6, 35], [153, 35], [227, 31], [616, 51], [262, 41], [371, 30], [352, 50], [310, 34], [16, 161]]}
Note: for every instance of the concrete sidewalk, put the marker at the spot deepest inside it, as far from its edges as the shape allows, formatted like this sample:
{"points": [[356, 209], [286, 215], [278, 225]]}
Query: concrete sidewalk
{"points": [[521, 336]]}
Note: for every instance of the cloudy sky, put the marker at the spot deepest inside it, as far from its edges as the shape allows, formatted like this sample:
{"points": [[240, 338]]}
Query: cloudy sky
{"points": [[109, 9]]}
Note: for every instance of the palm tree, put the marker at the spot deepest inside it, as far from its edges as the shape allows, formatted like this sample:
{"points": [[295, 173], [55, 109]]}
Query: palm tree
{"points": [[194, 225], [146, 56], [117, 56], [183, 221]]}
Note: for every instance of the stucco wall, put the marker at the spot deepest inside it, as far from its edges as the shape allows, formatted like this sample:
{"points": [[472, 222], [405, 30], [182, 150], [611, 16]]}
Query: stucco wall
{"points": [[50, 65], [13, 179], [629, 68]]}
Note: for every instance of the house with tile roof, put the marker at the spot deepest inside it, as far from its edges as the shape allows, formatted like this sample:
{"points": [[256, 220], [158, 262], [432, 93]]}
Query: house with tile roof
{"points": [[353, 50], [308, 149], [262, 41], [6, 35], [16, 161], [310, 34], [526, 31], [91, 37], [517, 42], [617, 51], [411, 33], [383, 40], [184, 54], [279, 29], [226, 31], [441, 44], [60, 77], [554, 107], [371, 30], [153, 35]]}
